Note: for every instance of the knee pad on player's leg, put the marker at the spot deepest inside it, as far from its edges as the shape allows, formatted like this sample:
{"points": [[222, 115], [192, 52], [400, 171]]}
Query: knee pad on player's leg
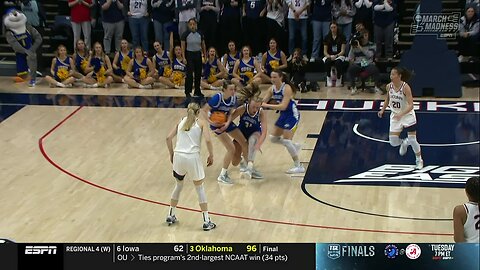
{"points": [[177, 190], [252, 141], [276, 139], [412, 140], [395, 140], [202, 198]]}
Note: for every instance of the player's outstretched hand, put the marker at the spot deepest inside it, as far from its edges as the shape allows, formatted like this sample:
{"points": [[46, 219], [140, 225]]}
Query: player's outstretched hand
{"points": [[209, 160]]}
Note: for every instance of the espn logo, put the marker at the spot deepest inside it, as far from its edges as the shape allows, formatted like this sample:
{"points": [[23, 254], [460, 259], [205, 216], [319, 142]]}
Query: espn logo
{"points": [[40, 250]]}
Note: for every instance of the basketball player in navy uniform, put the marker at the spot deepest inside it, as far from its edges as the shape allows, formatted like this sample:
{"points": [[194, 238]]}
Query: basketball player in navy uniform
{"points": [[225, 102], [186, 160], [282, 95], [253, 125], [400, 101], [466, 217]]}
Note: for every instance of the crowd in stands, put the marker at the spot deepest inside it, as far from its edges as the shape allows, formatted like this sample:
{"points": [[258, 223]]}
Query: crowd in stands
{"points": [[349, 36]]}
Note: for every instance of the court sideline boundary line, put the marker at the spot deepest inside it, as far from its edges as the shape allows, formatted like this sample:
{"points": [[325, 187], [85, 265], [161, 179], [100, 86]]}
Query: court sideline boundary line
{"points": [[60, 168]]}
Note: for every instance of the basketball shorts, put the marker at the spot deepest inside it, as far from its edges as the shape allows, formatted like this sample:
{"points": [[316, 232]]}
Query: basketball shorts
{"points": [[189, 165], [406, 121], [230, 127], [22, 66], [248, 132], [287, 121]]}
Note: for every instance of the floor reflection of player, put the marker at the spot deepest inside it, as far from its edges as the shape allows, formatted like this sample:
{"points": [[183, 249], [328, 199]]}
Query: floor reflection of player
{"points": [[400, 101]]}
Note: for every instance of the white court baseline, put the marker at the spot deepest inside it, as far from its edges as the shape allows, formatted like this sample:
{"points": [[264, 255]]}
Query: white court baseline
{"points": [[355, 129]]}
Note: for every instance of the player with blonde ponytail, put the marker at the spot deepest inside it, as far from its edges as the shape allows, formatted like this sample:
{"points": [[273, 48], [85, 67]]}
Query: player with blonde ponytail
{"points": [[186, 160]]}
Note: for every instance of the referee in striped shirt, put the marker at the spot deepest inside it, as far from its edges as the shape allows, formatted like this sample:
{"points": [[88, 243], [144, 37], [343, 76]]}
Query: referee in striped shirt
{"points": [[193, 46]]}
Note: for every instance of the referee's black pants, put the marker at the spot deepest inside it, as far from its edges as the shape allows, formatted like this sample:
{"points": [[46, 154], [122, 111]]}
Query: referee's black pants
{"points": [[194, 65]]}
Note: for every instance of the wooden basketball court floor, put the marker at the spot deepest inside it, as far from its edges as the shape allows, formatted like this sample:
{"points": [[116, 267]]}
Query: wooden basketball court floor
{"points": [[102, 174]]}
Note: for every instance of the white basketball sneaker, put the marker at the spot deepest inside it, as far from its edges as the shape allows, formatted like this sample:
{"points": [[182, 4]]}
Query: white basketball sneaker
{"points": [[243, 166], [171, 220], [207, 226], [256, 174], [225, 179], [296, 169], [247, 174]]}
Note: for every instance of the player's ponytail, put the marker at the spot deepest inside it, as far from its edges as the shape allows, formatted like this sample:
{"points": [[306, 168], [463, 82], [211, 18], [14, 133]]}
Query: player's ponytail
{"points": [[404, 73], [472, 187], [192, 111], [249, 92]]}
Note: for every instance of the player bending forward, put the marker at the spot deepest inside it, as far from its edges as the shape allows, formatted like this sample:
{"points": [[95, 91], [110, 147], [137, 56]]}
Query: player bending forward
{"points": [[400, 101], [186, 160]]}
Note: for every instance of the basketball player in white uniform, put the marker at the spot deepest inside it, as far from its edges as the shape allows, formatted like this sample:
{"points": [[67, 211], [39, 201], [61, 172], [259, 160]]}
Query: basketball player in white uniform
{"points": [[186, 160], [400, 101], [466, 217]]}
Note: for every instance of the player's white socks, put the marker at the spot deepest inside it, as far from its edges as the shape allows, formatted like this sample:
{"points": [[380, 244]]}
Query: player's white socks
{"points": [[205, 216], [412, 140], [59, 84], [394, 140], [171, 211], [290, 147], [250, 165], [223, 171], [177, 190], [252, 141], [296, 163]]}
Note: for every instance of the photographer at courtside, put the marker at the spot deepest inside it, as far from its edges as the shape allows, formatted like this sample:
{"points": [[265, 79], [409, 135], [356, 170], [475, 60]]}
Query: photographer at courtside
{"points": [[361, 58]]}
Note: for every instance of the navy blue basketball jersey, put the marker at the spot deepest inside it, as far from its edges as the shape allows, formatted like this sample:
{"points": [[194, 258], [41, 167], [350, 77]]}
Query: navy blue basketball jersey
{"points": [[218, 104], [277, 94], [253, 8], [250, 123]]}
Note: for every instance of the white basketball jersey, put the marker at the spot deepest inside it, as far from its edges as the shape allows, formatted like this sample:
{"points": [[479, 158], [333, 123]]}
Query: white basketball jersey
{"points": [[471, 228], [398, 100], [188, 142]]}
